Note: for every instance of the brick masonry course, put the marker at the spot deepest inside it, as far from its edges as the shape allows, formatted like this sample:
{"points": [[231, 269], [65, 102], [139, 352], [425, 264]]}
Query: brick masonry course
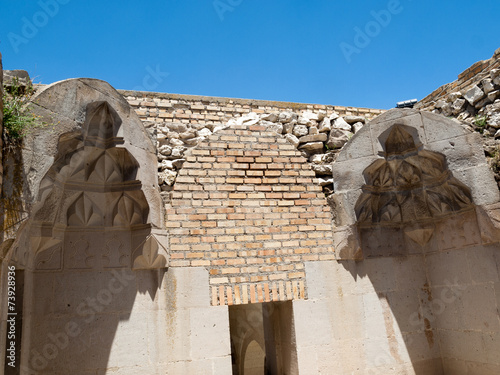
{"points": [[245, 205], [193, 109]]}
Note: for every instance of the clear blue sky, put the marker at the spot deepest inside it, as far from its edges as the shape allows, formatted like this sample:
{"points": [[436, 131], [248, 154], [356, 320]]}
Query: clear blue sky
{"points": [[354, 53]]}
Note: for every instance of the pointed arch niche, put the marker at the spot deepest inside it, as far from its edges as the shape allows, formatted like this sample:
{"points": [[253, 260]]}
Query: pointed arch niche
{"points": [[93, 250], [417, 241]]}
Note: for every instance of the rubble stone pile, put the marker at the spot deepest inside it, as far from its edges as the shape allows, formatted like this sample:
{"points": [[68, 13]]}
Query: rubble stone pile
{"points": [[317, 135]]}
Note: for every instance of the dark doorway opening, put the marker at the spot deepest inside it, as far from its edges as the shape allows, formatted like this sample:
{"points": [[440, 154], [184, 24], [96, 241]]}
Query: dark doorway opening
{"points": [[263, 339]]}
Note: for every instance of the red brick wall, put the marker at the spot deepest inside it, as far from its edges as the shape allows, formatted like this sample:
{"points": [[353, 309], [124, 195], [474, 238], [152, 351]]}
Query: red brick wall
{"points": [[245, 206]]}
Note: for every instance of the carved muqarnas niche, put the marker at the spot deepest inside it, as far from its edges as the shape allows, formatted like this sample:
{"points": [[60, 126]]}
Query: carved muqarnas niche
{"points": [[410, 185], [92, 203]]}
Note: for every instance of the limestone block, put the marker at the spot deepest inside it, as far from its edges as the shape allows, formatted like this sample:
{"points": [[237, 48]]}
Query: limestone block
{"points": [[481, 182], [443, 306], [312, 147], [325, 126], [209, 327], [448, 268], [340, 123], [292, 139], [487, 84], [483, 265], [285, 117], [320, 275], [325, 182], [489, 222], [338, 138], [356, 127], [458, 105], [418, 342], [484, 318], [410, 272], [461, 152], [454, 366], [308, 115], [322, 169], [354, 119], [322, 137], [307, 358], [313, 323], [272, 117], [189, 286], [473, 95], [380, 272], [404, 305], [466, 345], [300, 130], [277, 128], [492, 348]]}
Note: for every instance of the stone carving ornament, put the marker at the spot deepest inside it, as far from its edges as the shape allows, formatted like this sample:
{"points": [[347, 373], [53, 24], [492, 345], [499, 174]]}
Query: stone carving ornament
{"points": [[410, 184]]}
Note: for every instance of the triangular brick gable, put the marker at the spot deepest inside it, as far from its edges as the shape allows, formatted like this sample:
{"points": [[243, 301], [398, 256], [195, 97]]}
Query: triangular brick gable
{"points": [[245, 206]]}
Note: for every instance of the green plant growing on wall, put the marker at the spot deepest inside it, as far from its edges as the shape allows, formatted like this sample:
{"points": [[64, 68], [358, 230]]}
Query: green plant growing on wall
{"points": [[17, 119], [480, 123]]}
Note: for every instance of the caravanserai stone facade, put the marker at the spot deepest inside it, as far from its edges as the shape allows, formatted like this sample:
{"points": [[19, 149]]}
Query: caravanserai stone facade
{"points": [[158, 234]]}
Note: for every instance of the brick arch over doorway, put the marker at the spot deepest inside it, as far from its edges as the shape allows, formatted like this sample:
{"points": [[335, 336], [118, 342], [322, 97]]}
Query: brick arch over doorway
{"points": [[246, 207]]}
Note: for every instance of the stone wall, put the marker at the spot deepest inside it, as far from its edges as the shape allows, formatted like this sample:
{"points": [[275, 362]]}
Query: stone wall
{"points": [[468, 78]]}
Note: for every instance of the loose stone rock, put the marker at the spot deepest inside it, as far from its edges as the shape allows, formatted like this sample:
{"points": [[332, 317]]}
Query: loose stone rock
{"points": [[357, 127], [334, 116], [292, 139], [177, 164], [454, 96], [325, 125], [313, 130], [321, 137], [474, 95], [275, 127], [177, 152], [187, 135], [488, 85], [176, 142], [325, 182], [204, 132], [165, 150], [288, 127], [308, 115], [312, 147], [340, 123], [286, 116], [273, 117], [321, 115], [322, 169], [167, 177], [458, 105], [300, 130], [338, 138], [353, 119]]}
